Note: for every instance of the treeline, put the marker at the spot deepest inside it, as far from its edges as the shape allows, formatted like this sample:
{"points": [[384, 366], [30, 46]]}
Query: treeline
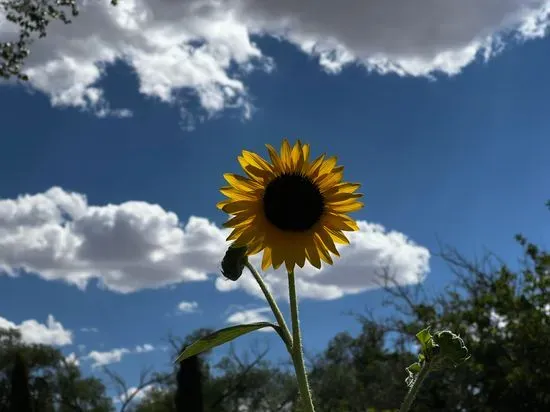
{"points": [[502, 313]]}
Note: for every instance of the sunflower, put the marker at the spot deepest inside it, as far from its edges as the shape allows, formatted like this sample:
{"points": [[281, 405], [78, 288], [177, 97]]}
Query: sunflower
{"points": [[292, 208]]}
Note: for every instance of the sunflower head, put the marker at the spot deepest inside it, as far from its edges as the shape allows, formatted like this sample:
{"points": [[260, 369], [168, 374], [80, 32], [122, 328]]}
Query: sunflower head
{"points": [[292, 208]]}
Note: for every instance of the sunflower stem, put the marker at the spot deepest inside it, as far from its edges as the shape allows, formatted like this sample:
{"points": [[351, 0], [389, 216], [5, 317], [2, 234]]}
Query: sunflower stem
{"points": [[411, 395], [297, 350], [287, 338]]}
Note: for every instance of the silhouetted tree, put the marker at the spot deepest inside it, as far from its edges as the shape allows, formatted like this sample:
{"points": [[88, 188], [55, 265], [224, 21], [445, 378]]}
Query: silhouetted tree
{"points": [[188, 396], [20, 397]]}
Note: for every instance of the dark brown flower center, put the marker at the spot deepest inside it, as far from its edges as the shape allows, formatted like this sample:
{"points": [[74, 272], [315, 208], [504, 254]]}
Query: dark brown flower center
{"points": [[292, 202]]}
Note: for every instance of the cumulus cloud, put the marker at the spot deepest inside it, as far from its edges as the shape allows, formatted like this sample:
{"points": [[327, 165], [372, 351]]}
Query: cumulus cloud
{"points": [[128, 247], [244, 316], [372, 251], [206, 46], [170, 45], [34, 332], [106, 358], [137, 245], [188, 307], [408, 38]]}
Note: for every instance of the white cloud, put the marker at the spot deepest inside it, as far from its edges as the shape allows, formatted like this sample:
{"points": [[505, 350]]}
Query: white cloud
{"points": [[34, 332], [107, 357], [128, 247], [414, 38], [188, 307], [72, 358], [245, 316], [201, 45], [144, 348], [102, 358], [94, 330], [137, 245], [169, 45], [371, 250]]}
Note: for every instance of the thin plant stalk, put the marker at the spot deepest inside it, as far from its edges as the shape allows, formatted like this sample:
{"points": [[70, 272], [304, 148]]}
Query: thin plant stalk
{"points": [[274, 307], [297, 350], [411, 395]]}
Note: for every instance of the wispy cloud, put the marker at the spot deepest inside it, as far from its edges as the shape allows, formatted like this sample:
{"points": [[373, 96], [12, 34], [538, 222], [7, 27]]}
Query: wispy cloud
{"points": [[94, 330], [103, 358], [144, 348], [244, 316]]}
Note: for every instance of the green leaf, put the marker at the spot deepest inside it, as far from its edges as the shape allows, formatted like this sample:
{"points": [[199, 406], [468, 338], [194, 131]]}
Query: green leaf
{"points": [[415, 367], [424, 337], [222, 336]]}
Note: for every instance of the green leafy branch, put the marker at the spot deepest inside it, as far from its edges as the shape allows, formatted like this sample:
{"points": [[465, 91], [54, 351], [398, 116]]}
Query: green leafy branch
{"points": [[443, 349]]}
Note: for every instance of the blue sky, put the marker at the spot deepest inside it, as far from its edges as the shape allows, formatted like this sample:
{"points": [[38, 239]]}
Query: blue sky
{"points": [[460, 157]]}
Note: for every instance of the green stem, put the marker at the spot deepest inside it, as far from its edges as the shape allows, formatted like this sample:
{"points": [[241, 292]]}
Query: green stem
{"points": [[297, 352], [411, 395], [274, 307]]}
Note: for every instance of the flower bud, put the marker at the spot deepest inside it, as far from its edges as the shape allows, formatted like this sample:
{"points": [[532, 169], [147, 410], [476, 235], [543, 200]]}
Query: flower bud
{"points": [[452, 348], [234, 261]]}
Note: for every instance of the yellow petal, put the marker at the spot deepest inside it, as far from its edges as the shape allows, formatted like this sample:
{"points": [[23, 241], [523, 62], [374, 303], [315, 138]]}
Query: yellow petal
{"points": [[277, 257], [239, 182], [328, 165], [327, 241], [315, 165], [301, 257], [323, 252], [313, 255], [256, 160], [305, 151], [223, 203], [244, 238], [347, 207], [236, 194], [275, 159], [238, 206], [328, 180], [235, 233], [338, 236], [266, 258], [239, 219], [257, 175], [342, 188], [297, 157], [286, 156], [342, 197], [338, 222], [255, 248]]}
